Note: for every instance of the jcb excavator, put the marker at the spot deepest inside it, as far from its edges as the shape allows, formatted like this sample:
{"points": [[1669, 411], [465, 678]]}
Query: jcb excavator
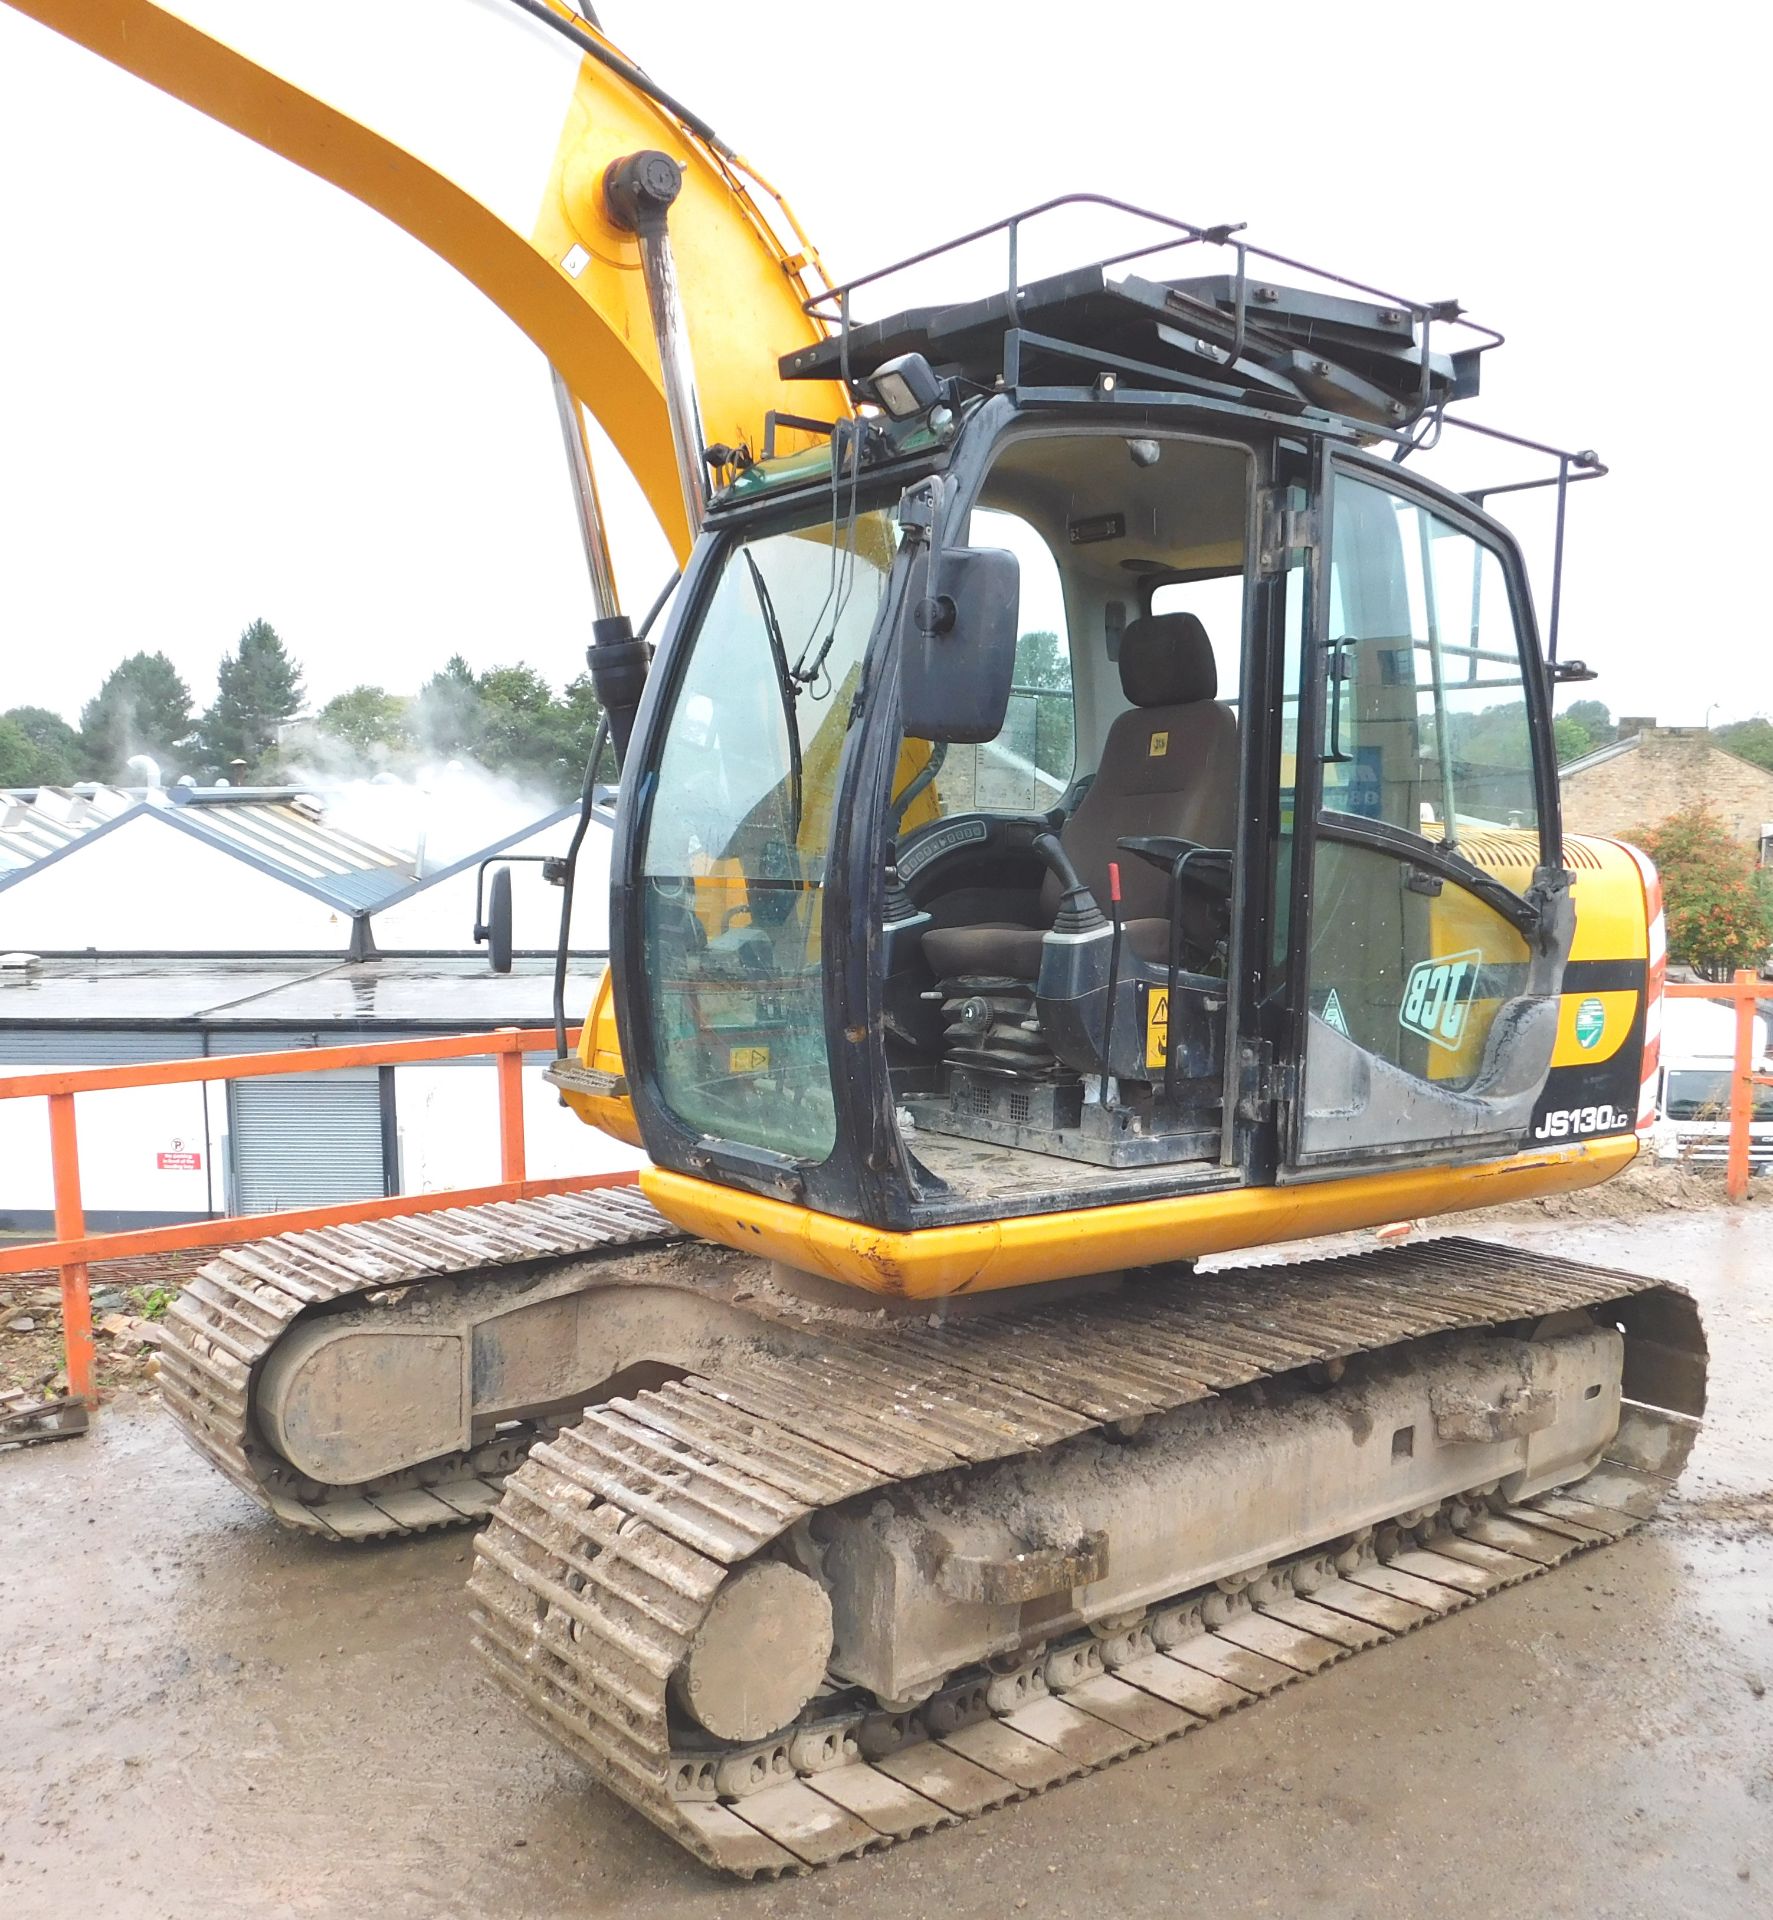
{"points": [[886, 1455]]}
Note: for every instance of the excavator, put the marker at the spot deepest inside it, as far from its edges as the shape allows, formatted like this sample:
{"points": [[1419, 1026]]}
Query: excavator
{"points": [[1088, 810]]}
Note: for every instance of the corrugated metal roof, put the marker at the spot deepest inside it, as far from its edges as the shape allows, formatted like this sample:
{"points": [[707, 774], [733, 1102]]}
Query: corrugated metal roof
{"points": [[290, 838], [35, 822], [282, 832]]}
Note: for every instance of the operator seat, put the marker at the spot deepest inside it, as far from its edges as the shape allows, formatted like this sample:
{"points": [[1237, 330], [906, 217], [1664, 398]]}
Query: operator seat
{"points": [[1169, 767]]}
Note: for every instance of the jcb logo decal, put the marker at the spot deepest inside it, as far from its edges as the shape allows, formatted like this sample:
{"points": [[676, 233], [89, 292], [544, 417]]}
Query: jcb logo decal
{"points": [[1438, 996]]}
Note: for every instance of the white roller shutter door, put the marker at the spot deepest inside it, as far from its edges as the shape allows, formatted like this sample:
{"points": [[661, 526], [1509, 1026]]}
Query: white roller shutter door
{"points": [[301, 1141]]}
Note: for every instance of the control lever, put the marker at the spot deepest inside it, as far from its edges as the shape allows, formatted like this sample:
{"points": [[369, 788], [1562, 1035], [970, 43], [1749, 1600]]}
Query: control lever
{"points": [[1078, 912], [1107, 1048]]}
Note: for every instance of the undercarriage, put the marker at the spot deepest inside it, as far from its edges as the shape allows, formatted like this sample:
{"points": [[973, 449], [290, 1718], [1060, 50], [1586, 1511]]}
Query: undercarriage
{"points": [[798, 1579]]}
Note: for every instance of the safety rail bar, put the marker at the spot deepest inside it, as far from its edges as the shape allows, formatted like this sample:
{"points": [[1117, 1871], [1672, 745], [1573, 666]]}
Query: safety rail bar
{"points": [[1743, 989], [1177, 233], [73, 1249], [1423, 314]]}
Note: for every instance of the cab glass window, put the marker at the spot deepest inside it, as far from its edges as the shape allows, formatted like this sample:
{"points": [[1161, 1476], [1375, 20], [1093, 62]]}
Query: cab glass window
{"points": [[1695, 1094], [1029, 765], [740, 828], [1427, 726], [1425, 732]]}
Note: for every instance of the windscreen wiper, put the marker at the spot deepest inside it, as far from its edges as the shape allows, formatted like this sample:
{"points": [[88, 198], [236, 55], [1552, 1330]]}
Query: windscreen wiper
{"points": [[785, 685]]}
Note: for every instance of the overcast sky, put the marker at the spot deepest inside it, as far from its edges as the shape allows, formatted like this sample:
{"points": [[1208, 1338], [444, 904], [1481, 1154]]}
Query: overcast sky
{"points": [[230, 392]]}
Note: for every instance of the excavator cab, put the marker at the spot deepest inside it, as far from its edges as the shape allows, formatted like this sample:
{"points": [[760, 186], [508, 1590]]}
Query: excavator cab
{"points": [[1101, 776]]}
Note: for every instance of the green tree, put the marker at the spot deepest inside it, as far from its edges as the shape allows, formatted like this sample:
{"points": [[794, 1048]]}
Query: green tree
{"points": [[142, 707], [1594, 720], [369, 720], [509, 720], [1042, 664], [52, 756], [582, 704], [18, 756], [1043, 669], [258, 687], [1719, 917], [583, 710], [446, 716], [1573, 738], [1496, 738], [1750, 739], [526, 732]]}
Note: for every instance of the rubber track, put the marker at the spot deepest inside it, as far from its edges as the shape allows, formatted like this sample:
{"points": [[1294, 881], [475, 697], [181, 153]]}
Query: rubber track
{"points": [[234, 1312], [611, 1542]]}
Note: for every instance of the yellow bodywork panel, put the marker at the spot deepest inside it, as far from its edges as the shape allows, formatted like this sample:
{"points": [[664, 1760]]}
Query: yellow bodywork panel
{"points": [[600, 1049], [1463, 930], [549, 258], [1617, 1010], [931, 1262], [1611, 924], [914, 756]]}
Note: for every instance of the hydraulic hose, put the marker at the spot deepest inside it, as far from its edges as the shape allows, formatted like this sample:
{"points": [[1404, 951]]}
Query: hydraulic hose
{"points": [[598, 741], [594, 49]]}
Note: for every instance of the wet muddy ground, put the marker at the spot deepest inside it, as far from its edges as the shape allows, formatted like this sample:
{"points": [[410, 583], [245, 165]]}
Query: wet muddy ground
{"points": [[201, 1714]]}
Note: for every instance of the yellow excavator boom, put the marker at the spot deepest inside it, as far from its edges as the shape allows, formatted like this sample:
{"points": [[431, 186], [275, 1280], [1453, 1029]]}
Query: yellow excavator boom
{"points": [[486, 132]]}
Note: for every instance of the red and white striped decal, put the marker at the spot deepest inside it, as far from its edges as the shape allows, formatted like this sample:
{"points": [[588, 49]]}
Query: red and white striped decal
{"points": [[1656, 979]]}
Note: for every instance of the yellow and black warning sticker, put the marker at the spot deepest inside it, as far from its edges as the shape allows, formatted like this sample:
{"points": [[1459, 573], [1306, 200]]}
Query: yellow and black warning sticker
{"points": [[1157, 1028], [747, 1059]]}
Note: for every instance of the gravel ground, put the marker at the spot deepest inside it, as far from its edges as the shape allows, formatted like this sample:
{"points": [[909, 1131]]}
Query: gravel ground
{"points": [[203, 1715]]}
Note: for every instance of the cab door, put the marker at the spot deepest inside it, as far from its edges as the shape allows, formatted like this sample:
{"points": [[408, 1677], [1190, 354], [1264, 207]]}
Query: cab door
{"points": [[1431, 919]]}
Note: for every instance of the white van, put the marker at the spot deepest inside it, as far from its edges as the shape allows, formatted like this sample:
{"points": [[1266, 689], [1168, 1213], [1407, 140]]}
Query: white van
{"points": [[1693, 1092]]}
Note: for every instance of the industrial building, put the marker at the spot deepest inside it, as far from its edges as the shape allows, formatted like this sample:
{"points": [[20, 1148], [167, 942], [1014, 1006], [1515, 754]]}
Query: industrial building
{"points": [[142, 926], [378, 868]]}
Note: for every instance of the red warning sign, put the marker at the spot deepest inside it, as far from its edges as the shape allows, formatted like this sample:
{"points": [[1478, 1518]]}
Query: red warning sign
{"points": [[179, 1160]]}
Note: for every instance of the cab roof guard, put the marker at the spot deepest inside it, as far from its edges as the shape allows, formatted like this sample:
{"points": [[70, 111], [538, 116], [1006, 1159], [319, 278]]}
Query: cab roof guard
{"points": [[1236, 313], [1280, 351]]}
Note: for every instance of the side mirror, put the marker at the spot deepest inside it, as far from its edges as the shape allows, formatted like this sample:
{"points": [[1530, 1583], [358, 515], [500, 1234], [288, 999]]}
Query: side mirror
{"points": [[957, 649], [495, 930]]}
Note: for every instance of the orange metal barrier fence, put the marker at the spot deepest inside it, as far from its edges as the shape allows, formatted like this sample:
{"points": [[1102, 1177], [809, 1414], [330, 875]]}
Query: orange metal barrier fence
{"points": [[1744, 988], [73, 1248]]}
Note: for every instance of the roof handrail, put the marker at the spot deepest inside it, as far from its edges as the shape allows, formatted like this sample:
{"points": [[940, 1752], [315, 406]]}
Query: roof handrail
{"points": [[834, 303]]}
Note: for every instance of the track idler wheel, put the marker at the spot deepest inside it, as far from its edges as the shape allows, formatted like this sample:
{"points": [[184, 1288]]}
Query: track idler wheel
{"points": [[759, 1656]]}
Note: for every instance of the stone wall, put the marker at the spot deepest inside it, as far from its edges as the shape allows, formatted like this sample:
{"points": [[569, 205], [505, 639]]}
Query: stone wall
{"points": [[1669, 769]]}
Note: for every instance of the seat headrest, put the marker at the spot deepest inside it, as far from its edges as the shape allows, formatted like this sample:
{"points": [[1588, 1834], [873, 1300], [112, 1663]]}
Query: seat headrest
{"points": [[1166, 660]]}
